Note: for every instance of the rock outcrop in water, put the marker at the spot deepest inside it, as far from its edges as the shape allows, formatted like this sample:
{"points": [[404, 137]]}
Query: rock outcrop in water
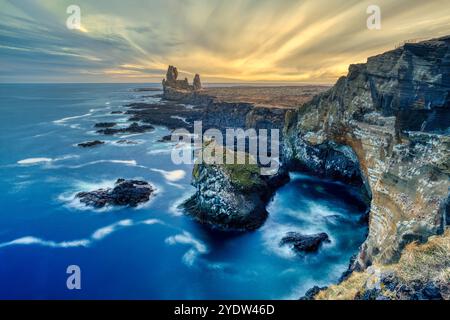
{"points": [[132, 128], [125, 193], [391, 118], [304, 243], [231, 196], [89, 144]]}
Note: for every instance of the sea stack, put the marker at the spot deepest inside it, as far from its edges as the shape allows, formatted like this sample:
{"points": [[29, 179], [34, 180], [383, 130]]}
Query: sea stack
{"points": [[174, 88]]}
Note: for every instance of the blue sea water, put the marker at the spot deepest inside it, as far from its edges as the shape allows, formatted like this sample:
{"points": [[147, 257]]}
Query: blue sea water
{"points": [[153, 251]]}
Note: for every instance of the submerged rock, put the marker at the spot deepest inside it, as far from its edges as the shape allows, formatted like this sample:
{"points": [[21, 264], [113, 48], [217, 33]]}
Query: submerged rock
{"points": [[304, 243], [88, 144], [167, 138], [132, 128], [124, 141], [125, 193], [105, 125]]}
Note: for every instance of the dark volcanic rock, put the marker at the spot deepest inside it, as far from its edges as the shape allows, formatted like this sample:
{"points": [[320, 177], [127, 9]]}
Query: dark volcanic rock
{"points": [[304, 243], [124, 141], [233, 196], [116, 112], [168, 114], [146, 89], [90, 143], [105, 125], [172, 83], [197, 83], [132, 128], [125, 193], [167, 138], [311, 293]]}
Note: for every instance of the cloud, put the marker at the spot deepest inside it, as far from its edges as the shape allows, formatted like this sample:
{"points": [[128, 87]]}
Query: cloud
{"points": [[247, 40]]}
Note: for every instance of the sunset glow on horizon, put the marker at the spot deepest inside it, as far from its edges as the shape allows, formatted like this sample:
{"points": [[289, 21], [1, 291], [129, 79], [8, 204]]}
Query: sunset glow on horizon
{"points": [[224, 41]]}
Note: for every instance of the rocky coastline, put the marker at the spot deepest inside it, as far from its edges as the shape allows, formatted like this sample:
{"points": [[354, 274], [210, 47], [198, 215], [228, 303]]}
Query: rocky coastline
{"points": [[384, 128]]}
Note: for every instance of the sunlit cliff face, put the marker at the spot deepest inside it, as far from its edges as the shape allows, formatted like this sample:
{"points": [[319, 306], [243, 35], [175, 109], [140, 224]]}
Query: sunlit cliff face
{"points": [[225, 41]]}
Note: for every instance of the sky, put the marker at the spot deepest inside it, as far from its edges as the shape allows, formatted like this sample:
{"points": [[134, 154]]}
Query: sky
{"points": [[241, 41]]}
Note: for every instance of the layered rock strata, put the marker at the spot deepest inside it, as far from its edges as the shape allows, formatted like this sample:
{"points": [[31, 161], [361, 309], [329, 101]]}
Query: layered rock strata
{"points": [[391, 116]]}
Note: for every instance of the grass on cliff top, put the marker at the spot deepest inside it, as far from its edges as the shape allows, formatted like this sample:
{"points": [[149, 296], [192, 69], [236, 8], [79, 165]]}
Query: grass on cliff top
{"points": [[430, 260], [423, 262], [244, 176]]}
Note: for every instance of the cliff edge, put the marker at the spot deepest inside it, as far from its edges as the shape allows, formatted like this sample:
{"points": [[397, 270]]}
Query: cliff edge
{"points": [[393, 113]]}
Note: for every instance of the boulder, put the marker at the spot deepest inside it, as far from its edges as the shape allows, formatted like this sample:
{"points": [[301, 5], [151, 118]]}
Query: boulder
{"points": [[304, 243], [125, 193]]}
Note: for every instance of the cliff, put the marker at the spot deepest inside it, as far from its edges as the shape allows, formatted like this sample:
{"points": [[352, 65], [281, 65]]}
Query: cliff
{"points": [[391, 116]]}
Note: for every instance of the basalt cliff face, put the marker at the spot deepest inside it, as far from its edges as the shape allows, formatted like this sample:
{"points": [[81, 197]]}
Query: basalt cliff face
{"points": [[391, 117]]}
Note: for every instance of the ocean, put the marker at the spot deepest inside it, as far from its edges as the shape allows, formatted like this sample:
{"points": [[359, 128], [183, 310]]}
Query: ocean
{"points": [[152, 251]]}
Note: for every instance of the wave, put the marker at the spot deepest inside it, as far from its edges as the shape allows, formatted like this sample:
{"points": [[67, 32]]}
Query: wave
{"points": [[97, 235], [272, 233], [197, 247], [131, 163], [29, 240], [175, 206], [180, 118], [174, 175], [31, 161], [45, 160], [160, 151], [63, 120]]}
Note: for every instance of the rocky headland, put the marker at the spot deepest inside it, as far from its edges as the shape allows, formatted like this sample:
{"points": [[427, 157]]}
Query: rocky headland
{"points": [[383, 128]]}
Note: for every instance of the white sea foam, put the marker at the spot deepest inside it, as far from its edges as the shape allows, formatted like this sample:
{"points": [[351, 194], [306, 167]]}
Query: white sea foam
{"points": [[160, 151], [180, 118], [97, 235], [63, 120], [45, 160], [272, 234], [175, 206], [31, 161], [131, 163], [197, 247], [106, 231], [174, 175]]}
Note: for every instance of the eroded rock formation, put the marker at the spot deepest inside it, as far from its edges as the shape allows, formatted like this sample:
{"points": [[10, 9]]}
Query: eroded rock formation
{"points": [[231, 196], [301, 243], [174, 88]]}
